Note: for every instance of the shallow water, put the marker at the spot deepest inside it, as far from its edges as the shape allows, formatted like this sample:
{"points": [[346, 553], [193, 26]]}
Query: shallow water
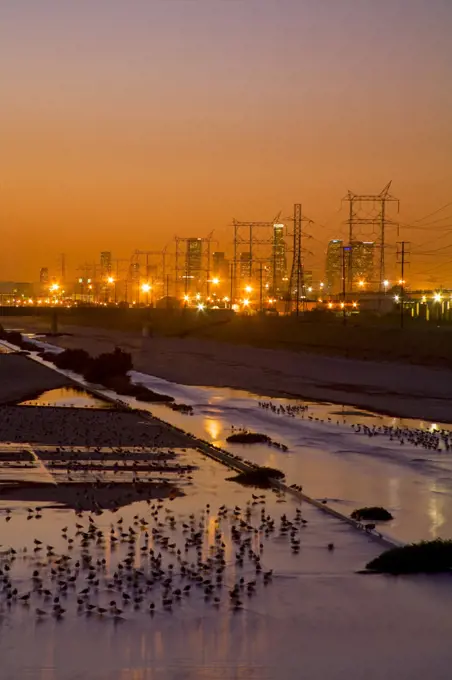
{"points": [[329, 459], [67, 397], [317, 614], [326, 456]]}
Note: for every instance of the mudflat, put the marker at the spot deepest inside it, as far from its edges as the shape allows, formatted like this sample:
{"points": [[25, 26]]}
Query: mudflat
{"points": [[20, 378]]}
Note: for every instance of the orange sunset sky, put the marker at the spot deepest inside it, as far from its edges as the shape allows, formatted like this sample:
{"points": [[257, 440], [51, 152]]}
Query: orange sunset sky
{"points": [[123, 124]]}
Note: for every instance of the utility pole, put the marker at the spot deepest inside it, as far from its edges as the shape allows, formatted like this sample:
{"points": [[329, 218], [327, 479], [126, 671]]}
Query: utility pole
{"points": [[345, 249], [63, 269], [260, 290], [401, 254]]}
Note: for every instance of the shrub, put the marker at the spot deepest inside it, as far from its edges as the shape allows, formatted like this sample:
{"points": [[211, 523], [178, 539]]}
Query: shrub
{"points": [[372, 514], [182, 408], [428, 557], [14, 337], [77, 360], [144, 394], [261, 477], [248, 438], [103, 367]]}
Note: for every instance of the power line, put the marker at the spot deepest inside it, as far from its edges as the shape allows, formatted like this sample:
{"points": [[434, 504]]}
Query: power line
{"points": [[435, 212]]}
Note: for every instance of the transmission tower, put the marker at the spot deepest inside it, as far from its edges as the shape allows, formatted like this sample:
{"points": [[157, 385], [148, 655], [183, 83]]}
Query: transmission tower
{"points": [[255, 240], [296, 281], [369, 210]]}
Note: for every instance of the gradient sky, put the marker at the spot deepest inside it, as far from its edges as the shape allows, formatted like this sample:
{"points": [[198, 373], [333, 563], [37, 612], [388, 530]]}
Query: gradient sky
{"points": [[123, 123]]}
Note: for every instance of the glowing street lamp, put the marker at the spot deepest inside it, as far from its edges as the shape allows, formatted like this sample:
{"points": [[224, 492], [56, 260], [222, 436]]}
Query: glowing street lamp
{"points": [[54, 287], [437, 297], [396, 298], [112, 282], [198, 296], [361, 284], [201, 306], [246, 302], [215, 281], [248, 289], [146, 287]]}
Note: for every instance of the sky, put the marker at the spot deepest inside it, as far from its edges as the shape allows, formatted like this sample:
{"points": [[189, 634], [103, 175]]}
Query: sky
{"points": [[125, 123]]}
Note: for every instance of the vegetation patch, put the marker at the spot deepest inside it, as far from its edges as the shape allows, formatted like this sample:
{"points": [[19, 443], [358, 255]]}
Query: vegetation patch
{"points": [[261, 477], [76, 360], [372, 514], [248, 438], [426, 557], [182, 408], [103, 367]]}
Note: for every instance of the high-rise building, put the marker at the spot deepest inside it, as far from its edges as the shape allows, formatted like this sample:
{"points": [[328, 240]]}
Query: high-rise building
{"points": [[308, 278], [135, 272], [278, 256], [220, 265], [193, 259], [362, 263], [245, 266], [358, 264], [105, 263], [44, 276], [334, 266]]}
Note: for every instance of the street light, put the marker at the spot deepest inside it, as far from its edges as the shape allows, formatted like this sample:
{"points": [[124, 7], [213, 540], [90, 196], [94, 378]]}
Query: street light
{"points": [[437, 297], [361, 284], [248, 289], [215, 281], [112, 281], [146, 287]]}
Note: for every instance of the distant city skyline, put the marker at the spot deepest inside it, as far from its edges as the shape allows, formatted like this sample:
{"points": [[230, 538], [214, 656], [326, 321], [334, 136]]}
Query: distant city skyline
{"points": [[124, 125]]}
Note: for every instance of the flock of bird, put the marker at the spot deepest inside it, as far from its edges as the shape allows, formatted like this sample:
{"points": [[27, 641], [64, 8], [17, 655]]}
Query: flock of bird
{"points": [[430, 439], [156, 565]]}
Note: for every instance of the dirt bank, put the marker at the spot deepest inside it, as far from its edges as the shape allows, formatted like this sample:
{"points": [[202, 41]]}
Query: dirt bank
{"points": [[21, 378], [398, 389]]}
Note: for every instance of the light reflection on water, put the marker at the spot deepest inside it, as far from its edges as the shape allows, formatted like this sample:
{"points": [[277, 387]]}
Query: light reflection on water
{"points": [[67, 397], [327, 458]]}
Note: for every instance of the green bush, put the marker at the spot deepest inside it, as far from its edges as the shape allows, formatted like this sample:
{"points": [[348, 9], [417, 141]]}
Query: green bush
{"points": [[261, 477], [248, 438], [427, 557], [372, 514]]}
